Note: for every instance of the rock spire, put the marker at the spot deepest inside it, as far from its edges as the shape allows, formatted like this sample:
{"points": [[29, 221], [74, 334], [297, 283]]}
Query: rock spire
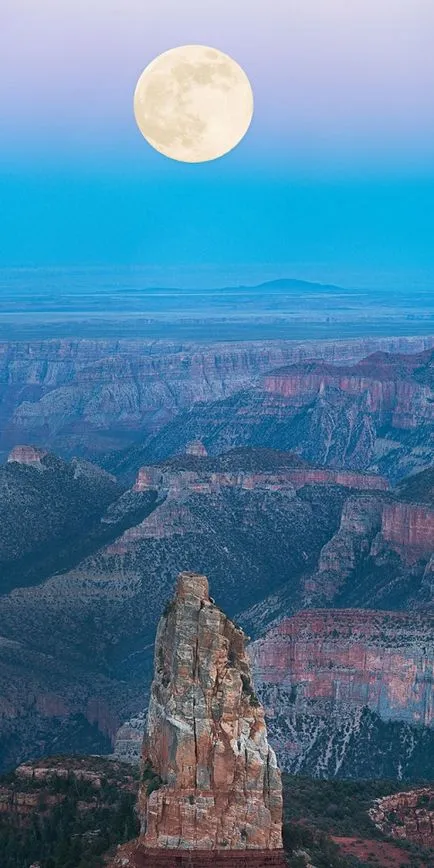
{"points": [[210, 783]]}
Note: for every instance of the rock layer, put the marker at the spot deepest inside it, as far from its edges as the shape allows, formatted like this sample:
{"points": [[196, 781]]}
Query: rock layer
{"points": [[386, 379], [376, 416], [209, 778], [136, 856], [339, 684], [409, 526], [382, 660], [206, 481], [89, 396], [27, 455]]}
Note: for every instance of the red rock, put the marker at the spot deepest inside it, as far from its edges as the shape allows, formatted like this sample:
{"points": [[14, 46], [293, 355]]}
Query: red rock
{"points": [[27, 455], [210, 781], [98, 712], [148, 478], [46, 772], [21, 806], [385, 379], [139, 857], [318, 476], [375, 851], [358, 657], [407, 816], [196, 447], [408, 526], [209, 481]]}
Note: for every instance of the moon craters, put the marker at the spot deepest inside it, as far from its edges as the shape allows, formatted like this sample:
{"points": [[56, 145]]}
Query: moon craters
{"points": [[193, 103]]}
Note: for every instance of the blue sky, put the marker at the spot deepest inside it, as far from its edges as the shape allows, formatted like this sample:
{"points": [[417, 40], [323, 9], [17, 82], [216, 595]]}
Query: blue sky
{"points": [[334, 181]]}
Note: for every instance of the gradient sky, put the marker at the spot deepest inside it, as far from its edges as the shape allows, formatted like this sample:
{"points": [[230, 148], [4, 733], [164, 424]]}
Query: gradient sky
{"points": [[335, 179]]}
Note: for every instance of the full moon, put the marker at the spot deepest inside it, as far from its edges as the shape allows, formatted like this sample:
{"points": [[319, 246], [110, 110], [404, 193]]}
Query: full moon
{"points": [[193, 103]]}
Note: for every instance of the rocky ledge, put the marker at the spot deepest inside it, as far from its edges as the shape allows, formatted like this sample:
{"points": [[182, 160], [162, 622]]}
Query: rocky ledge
{"points": [[27, 455], [210, 784], [136, 856], [407, 816], [207, 481]]}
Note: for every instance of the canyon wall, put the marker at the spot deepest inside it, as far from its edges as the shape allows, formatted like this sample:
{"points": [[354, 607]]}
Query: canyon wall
{"points": [[387, 381], [207, 482], [408, 527], [332, 679], [379, 659], [87, 396]]}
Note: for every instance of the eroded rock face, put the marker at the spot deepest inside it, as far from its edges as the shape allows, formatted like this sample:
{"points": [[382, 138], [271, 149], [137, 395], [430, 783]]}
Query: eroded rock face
{"points": [[208, 481], [386, 379], [27, 455], [196, 447], [137, 856], [409, 526], [382, 660], [209, 778], [408, 816], [340, 684]]}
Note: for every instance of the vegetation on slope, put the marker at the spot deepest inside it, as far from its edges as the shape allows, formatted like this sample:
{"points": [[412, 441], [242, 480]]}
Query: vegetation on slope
{"points": [[69, 823], [65, 822]]}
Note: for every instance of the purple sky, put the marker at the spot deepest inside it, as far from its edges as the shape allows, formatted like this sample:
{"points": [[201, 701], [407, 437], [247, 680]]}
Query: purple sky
{"points": [[335, 81], [334, 181]]}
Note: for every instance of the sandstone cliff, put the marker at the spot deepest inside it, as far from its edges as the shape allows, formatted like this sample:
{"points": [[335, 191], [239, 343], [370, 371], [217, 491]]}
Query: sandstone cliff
{"points": [[87, 396], [387, 380], [210, 780], [375, 416], [409, 528], [206, 481], [338, 684], [206, 737]]}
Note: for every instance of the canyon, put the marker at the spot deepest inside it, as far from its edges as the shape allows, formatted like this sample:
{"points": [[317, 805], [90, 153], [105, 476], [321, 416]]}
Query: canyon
{"points": [[280, 536], [282, 477], [89, 397], [375, 416], [76, 647]]}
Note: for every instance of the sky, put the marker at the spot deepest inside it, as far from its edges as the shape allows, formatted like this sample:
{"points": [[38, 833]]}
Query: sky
{"points": [[334, 181]]}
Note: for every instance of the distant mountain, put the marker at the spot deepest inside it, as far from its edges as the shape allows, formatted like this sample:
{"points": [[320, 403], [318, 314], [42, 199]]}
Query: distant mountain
{"points": [[287, 283]]}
